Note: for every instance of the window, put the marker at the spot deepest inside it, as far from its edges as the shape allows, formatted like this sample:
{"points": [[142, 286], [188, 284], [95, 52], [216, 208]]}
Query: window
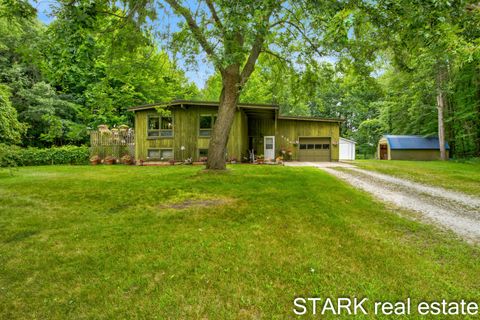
{"points": [[206, 124], [310, 146], [326, 146], [153, 154], [160, 154], [202, 153], [160, 126], [153, 126], [303, 146], [318, 146]]}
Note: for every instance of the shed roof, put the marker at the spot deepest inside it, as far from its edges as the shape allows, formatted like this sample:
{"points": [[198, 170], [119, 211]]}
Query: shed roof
{"points": [[202, 103], [414, 142], [252, 109]]}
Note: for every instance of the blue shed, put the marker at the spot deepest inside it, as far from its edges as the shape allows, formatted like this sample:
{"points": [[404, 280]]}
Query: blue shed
{"points": [[392, 147]]}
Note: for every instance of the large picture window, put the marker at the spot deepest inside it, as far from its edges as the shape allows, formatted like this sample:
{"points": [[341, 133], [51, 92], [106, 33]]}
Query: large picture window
{"points": [[160, 126], [206, 124]]}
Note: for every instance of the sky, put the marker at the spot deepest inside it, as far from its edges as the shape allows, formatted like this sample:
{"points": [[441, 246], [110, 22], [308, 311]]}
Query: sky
{"points": [[198, 75]]}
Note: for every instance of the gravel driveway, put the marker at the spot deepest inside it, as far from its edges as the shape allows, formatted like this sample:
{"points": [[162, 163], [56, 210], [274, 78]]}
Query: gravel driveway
{"points": [[449, 209]]}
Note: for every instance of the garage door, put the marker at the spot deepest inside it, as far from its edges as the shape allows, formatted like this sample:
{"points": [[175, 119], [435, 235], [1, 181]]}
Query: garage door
{"points": [[314, 149]]}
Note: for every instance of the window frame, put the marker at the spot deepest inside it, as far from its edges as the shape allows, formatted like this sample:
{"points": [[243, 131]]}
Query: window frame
{"points": [[160, 130], [161, 150], [199, 150], [213, 117]]}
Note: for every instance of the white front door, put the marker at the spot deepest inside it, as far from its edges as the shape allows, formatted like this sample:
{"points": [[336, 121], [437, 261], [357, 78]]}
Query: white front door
{"points": [[269, 147]]}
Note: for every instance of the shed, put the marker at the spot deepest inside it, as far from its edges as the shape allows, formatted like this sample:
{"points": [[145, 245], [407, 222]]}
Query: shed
{"points": [[392, 147], [347, 149]]}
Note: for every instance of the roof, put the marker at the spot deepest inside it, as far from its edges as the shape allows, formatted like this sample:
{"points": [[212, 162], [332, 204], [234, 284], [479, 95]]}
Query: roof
{"points": [[348, 140], [257, 109], [414, 142], [310, 119], [203, 103]]}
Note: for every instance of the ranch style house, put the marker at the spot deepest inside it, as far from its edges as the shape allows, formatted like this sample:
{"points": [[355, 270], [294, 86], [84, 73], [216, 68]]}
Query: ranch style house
{"points": [[185, 131]]}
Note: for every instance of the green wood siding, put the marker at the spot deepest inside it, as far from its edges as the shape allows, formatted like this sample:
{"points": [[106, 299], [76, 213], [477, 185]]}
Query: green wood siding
{"points": [[186, 133], [289, 131]]}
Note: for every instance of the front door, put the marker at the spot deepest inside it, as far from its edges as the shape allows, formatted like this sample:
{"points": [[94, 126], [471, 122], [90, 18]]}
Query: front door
{"points": [[269, 147]]}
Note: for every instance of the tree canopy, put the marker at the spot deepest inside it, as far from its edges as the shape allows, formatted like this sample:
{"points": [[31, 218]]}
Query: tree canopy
{"points": [[399, 67]]}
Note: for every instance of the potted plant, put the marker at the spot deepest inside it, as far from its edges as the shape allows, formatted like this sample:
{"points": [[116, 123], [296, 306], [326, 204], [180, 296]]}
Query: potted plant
{"points": [[94, 160], [201, 161], [260, 159], [109, 160], [127, 159]]}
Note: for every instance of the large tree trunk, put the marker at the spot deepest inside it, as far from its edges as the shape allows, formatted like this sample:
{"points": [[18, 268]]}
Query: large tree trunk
{"points": [[441, 103], [226, 115]]}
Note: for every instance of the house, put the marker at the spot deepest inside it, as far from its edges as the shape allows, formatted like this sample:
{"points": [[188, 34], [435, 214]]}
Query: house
{"points": [[185, 133], [347, 149], [392, 147]]}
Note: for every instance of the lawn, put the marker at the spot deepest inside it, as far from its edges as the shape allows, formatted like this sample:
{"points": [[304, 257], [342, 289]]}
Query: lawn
{"points": [[116, 242], [454, 175]]}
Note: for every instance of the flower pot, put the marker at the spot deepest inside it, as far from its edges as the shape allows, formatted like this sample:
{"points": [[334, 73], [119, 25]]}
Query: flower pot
{"points": [[109, 161], [94, 162]]}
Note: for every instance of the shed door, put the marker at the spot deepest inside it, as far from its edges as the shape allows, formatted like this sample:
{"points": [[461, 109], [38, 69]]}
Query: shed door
{"points": [[314, 149]]}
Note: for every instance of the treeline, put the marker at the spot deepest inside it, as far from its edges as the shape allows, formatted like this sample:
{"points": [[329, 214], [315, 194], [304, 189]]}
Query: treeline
{"points": [[387, 64], [393, 65], [83, 69]]}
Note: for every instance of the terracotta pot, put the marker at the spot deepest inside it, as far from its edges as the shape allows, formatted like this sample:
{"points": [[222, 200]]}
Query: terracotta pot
{"points": [[109, 161], [94, 162], [127, 162]]}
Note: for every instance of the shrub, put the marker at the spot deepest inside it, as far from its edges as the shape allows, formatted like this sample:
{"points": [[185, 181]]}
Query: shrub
{"points": [[11, 156]]}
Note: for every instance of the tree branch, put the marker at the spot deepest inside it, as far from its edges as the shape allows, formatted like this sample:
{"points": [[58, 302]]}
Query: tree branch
{"points": [[215, 15], [257, 48], [304, 35], [276, 55], [195, 29]]}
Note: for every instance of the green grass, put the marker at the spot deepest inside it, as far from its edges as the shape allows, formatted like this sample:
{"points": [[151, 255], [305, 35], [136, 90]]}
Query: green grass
{"points": [[454, 175], [115, 242]]}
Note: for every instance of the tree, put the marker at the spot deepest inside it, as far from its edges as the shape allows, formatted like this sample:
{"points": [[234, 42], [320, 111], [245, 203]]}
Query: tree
{"points": [[426, 36], [233, 35], [11, 130]]}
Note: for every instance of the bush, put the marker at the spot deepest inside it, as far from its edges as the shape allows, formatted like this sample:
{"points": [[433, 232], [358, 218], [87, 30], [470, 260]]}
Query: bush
{"points": [[11, 156]]}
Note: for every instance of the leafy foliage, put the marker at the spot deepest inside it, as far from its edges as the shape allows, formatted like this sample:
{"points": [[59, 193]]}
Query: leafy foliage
{"points": [[12, 156], [374, 64], [84, 69], [11, 129]]}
